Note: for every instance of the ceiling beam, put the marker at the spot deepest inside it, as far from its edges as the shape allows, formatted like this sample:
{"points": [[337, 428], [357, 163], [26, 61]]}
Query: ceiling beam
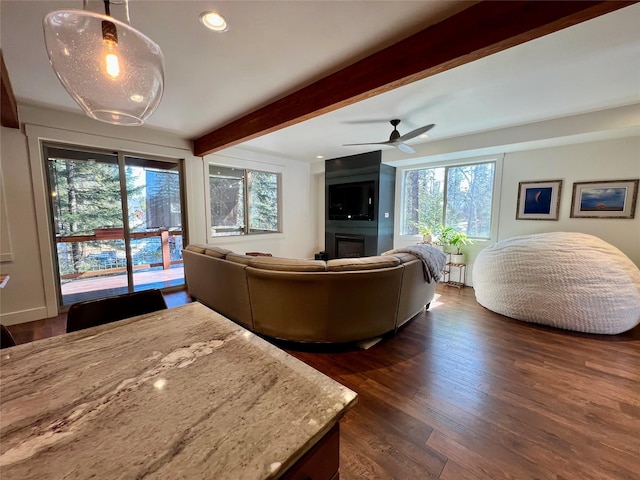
{"points": [[8, 106], [483, 29]]}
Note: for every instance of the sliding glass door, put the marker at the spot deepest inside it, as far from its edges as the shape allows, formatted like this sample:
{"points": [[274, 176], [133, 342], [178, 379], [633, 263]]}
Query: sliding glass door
{"points": [[117, 222], [154, 210]]}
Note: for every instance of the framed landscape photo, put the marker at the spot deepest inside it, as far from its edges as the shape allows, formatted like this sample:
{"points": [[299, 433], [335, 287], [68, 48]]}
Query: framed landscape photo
{"points": [[608, 199], [539, 200]]}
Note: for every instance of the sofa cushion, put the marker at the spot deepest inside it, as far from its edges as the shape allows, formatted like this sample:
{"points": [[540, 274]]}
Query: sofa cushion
{"points": [[362, 263], [217, 252], [195, 248], [239, 258], [288, 264]]}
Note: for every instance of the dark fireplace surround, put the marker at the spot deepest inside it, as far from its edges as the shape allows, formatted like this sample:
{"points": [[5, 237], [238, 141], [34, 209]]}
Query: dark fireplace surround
{"points": [[346, 238], [349, 246]]}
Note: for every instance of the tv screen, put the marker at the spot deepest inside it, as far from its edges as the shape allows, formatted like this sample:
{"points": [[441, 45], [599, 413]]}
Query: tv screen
{"points": [[352, 201]]}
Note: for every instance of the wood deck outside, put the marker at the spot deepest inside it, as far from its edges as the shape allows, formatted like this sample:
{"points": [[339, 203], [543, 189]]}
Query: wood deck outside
{"points": [[82, 289]]}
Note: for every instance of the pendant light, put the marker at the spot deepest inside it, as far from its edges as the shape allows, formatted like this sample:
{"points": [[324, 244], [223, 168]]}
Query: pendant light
{"points": [[113, 71]]}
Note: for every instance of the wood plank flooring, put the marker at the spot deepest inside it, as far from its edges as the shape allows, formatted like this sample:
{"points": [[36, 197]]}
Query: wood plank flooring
{"points": [[461, 393]]}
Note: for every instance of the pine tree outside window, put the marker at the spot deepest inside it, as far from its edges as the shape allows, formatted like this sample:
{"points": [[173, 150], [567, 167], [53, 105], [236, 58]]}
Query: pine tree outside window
{"points": [[458, 196], [243, 202], [116, 221]]}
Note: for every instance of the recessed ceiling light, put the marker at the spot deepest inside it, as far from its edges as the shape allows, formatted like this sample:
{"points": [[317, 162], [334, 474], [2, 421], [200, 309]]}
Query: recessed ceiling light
{"points": [[424, 135], [319, 156], [214, 21]]}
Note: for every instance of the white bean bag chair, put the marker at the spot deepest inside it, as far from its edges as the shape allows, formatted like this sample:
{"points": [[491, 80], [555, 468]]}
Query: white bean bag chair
{"points": [[562, 279]]}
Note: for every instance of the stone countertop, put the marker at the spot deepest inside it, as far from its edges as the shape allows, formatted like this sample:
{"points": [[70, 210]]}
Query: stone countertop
{"points": [[181, 393]]}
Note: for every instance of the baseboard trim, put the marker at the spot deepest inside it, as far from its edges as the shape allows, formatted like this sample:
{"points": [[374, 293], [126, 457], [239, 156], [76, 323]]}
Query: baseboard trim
{"points": [[23, 316]]}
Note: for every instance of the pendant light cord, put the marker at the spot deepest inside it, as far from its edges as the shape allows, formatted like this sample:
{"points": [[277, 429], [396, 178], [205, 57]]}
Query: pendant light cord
{"points": [[85, 5], [126, 8]]}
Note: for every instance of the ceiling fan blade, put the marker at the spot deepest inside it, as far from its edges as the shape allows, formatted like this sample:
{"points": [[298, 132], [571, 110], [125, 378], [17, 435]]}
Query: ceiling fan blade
{"points": [[369, 143], [369, 121], [404, 147], [416, 132]]}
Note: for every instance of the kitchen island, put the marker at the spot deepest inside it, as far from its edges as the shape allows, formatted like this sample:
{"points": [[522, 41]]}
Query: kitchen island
{"points": [[180, 393]]}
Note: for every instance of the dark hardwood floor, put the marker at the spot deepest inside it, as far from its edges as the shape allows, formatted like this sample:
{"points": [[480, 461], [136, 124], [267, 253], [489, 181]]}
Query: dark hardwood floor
{"points": [[461, 393]]}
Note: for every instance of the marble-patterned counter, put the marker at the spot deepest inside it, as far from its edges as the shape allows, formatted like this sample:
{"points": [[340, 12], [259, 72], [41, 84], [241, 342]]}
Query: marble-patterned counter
{"points": [[181, 393]]}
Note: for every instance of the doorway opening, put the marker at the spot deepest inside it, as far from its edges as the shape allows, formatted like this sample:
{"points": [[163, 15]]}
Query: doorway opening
{"points": [[117, 222]]}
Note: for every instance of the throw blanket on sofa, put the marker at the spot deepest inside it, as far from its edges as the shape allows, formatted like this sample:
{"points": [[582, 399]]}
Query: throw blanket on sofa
{"points": [[433, 259]]}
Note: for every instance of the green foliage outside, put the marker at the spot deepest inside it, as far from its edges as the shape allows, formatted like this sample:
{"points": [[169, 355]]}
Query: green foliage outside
{"points": [[86, 196], [424, 200], [469, 192], [469, 199], [263, 207], [227, 194]]}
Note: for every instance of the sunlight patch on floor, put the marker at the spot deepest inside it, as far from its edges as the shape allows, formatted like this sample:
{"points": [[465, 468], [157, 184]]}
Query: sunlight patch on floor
{"points": [[435, 303]]}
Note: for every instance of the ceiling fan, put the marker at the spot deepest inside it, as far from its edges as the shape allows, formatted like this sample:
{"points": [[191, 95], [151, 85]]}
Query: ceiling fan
{"points": [[397, 140]]}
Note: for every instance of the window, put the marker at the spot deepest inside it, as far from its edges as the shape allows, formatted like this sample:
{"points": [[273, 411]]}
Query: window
{"points": [[459, 196], [243, 201]]}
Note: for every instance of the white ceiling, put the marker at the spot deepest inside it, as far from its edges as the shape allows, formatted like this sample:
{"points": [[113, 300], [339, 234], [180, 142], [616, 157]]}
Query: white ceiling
{"points": [[275, 47]]}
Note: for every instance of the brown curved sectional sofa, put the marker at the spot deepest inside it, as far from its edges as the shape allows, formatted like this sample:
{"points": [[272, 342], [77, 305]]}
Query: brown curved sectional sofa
{"points": [[341, 300]]}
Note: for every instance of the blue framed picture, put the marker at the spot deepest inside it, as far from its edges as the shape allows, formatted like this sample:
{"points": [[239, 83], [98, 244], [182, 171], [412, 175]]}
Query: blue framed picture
{"points": [[608, 199], [539, 200]]}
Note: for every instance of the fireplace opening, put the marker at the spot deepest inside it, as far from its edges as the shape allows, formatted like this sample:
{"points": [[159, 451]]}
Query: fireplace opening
{"points": [[349, 246]]}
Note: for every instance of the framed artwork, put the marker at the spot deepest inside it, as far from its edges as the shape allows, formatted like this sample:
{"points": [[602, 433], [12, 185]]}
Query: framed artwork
{"points": [[539, 200], [608, 199]]}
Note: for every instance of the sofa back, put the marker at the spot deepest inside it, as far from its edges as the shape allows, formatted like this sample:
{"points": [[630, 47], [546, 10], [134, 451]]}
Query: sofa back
{"points": [[336, 306], [218, 282], [340, 300]]}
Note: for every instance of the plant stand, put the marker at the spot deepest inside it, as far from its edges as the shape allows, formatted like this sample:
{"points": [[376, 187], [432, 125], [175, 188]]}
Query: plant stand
{"points": [[457, 280]]}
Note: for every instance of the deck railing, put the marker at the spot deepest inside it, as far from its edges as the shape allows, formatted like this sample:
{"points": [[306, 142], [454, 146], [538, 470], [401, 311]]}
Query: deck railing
{"points": [[112, 258]]}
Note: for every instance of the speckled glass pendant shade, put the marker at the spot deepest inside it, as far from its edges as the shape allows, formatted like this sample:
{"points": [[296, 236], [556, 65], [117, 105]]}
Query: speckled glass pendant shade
{"points": [[114, 72]]}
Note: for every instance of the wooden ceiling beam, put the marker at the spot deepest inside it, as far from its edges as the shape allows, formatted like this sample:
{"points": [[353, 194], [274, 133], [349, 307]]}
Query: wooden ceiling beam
{"points": [[8, 106], [483, 29]]}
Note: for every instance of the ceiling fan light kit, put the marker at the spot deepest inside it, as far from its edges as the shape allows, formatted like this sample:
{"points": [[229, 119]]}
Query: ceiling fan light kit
{"points": [[114, 72], [396, 140]]}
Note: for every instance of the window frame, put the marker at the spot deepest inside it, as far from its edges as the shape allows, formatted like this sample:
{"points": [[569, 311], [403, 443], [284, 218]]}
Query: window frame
{"points": [[498, 160], [246, 230]]}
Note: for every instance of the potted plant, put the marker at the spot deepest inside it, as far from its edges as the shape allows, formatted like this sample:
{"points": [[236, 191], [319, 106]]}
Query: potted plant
{"points": [[425, 231], [458, 240], [445, 235]]}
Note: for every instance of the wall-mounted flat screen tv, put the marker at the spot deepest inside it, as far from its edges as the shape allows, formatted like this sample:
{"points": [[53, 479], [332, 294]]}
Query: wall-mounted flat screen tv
{"points": [[352, 201]]}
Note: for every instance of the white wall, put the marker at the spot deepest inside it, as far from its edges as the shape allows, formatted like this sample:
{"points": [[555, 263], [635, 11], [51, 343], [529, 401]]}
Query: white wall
{"points": [[23, 298], [617, 159], [299, 200], [614, 159]]}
